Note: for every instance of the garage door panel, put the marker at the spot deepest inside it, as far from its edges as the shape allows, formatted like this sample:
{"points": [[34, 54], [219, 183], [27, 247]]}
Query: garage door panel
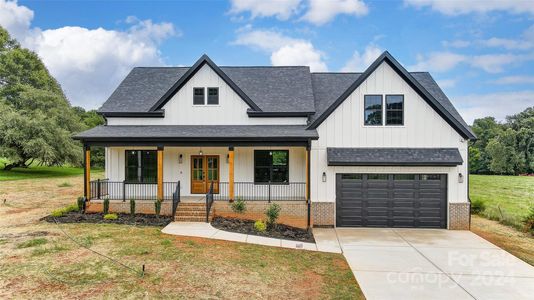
{"points": [[387, 200]]}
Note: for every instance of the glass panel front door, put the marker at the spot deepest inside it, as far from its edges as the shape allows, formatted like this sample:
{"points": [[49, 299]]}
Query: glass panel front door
{"points": [[204, 170]]}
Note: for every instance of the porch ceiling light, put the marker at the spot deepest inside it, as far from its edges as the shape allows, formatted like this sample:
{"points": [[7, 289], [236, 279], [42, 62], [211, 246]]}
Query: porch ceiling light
{"points": [[200, 152]]}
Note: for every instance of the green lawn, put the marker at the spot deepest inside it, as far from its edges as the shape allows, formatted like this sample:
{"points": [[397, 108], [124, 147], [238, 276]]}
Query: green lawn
{"points": [[507, 198], [39, 172]]}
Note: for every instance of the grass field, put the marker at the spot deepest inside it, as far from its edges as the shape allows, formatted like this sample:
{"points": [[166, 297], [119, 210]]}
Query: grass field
{"points": [[38, 260], [34, 172], [506, 198]]}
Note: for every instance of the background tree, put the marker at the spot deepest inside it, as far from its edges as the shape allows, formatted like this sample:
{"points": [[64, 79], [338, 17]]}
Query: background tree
{"points": [[36, 119]]}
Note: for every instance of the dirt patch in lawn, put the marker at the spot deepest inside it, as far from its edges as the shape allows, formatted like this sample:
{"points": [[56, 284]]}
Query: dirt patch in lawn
{"points": [[516, 242], [280, 231], [137, 219]]}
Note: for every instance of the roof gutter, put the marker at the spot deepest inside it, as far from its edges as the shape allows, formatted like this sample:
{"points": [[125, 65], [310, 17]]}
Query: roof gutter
{"points": [[148, 114]]}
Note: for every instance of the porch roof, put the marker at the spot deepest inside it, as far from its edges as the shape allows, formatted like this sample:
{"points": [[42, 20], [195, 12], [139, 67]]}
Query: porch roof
{"points": [[394, 157], [197, 135]]}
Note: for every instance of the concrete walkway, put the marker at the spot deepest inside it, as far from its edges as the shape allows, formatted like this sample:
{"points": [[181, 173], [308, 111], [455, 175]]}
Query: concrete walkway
{"points": [[431, 264], [205, 230]]}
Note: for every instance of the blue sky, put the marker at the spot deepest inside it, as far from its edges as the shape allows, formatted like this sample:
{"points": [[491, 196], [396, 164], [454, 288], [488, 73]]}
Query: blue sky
{"points": [[481, 52]]}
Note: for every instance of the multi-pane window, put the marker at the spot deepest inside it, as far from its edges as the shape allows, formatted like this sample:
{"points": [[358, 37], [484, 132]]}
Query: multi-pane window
{"points": [[198, 96], [373, 110], [141, 166], [394, 109], [213, 96], [271, 166]]}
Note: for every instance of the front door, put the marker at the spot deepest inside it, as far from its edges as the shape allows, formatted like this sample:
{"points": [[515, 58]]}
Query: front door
{"points": [[204, 171]]}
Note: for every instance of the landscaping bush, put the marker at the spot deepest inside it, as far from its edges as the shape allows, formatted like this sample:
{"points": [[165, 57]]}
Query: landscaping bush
{"points": [[260, 226], [528, 221], [477, 206], [111, 217], [239, 206], [106, 206], [272, 213], [132, 207], [62, 211], [80, 201], [157, 207]]}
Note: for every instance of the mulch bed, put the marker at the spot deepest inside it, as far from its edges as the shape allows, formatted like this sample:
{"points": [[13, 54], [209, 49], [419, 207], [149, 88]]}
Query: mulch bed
{"points": [[281, 231], [97, 218]]}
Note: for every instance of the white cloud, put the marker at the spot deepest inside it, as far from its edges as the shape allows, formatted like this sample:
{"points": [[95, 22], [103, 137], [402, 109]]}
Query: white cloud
{"points": [[89, 63], [281, 9], [498, 105], [14, 18], [437, 62], [456, 44], [452, 7], [359, 62], [321, 12], [447, 83], [515, 80], [284, 50], [446, 61], [525, 42]]}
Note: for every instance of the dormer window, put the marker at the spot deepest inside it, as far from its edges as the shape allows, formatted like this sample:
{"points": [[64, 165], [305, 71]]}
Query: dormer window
{"points": [[198, 96], [213, 96]]}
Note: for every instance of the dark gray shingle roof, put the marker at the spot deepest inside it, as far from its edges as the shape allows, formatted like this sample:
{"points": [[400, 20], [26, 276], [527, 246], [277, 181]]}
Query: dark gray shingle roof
{"points": [[273, 89], [196, 132], [327, 87], [393, 157]]}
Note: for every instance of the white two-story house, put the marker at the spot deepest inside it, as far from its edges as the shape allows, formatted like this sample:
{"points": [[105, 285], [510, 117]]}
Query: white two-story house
{"points": [[382, 148]]}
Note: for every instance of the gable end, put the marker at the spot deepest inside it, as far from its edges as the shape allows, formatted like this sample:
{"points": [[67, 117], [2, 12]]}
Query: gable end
{"points": [[191, 72], [406, 76]]}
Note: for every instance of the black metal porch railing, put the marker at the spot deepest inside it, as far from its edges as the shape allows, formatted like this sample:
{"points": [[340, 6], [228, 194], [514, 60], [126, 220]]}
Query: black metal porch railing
{"points": [[175, 199], [122, 190], [209, 202], [250, 191]]}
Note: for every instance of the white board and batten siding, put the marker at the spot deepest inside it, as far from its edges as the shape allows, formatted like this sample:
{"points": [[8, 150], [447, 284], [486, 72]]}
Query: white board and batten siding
{"points": [[423, 128], [232, 110]]}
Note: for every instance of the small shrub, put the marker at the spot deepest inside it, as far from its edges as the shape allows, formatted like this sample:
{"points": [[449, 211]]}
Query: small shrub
{"points": [[110, 217], [260, 226], [528, 221], [62, 211], [106, 206], [32, 243], [132, 207], [239, 206], [477, 206], [157, 207], [65, 184], [80, 201], [272, 213]]}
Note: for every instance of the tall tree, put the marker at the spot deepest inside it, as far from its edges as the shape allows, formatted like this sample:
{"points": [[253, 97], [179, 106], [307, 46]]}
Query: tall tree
{"points": [[36, 119]]}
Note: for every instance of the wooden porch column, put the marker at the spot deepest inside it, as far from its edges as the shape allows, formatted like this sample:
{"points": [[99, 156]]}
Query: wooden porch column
{"points": [[231, 173], [87, 172], [308, 158], [160, 173]]}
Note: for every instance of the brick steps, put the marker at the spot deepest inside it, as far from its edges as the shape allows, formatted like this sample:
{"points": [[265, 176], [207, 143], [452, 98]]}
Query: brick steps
{"points": [[191, 212]]}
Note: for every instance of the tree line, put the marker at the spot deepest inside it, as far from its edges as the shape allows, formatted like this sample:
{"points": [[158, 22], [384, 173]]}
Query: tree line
{"points": [[503, 148], [36, 119]]}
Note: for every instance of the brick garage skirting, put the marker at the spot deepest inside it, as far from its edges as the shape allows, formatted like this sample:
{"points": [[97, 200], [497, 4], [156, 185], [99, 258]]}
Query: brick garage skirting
{"points": [[459, 216], [141, 206], [293, 213], [323, 214]]}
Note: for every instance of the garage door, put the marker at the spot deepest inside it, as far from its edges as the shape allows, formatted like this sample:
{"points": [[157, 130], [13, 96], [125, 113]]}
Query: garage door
{"points": [[391, 200]]}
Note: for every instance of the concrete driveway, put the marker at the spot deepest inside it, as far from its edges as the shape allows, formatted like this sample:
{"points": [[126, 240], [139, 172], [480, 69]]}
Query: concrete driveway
{"points": [[430, 264]]}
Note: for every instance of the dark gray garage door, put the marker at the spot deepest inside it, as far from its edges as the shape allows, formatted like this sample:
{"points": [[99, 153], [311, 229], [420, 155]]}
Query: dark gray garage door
{"points": [[391, 200]]}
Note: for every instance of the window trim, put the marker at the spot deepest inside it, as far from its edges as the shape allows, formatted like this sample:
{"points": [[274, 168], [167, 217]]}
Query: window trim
{"points": [[270, 168], [386, 110], [126, 167], [204, 96], [381, 113], [208, 96]]}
